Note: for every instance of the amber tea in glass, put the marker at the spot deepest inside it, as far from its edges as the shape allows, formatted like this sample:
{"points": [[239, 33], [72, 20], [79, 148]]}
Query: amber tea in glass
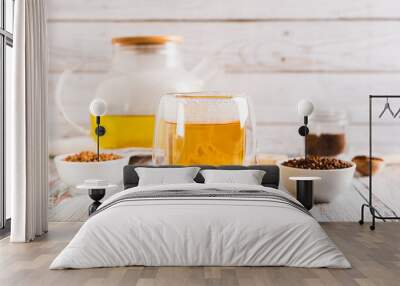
{"points": [[197, 128]]}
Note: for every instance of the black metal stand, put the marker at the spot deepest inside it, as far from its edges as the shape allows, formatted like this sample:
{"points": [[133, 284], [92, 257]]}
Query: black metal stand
{"points": [[304, 190], [370, 204], [100, 131], [303, 131], [96, 195], [304, 193]]}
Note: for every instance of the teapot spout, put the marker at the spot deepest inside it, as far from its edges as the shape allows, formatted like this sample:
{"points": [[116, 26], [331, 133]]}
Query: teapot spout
{"points": [[207, 68]]}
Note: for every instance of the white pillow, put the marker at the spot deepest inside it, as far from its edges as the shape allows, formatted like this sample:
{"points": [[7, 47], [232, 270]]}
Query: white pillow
{"points": [[165, 176], [248, 177]]}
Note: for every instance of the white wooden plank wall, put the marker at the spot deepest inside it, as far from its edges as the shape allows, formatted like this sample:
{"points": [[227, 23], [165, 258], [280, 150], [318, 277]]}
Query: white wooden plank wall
{"points": [[277, 52]]}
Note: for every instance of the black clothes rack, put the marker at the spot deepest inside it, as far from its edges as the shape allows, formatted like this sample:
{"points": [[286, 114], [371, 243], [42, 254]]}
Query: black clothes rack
{"points": [[369, 205]]}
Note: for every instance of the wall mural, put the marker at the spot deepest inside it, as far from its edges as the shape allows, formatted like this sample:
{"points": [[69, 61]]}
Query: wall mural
{"points": [[253, 73]]}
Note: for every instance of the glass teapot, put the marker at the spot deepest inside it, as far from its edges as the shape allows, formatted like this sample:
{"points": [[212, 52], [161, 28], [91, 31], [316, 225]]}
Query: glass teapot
{"points": [[143, 69]]}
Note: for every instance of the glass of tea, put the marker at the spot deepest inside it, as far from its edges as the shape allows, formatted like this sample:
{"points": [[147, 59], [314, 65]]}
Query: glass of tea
{"points": [[204, 129]]}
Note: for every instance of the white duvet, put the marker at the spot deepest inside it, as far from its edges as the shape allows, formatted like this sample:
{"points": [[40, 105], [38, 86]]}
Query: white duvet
{"points": [[199, 231]]}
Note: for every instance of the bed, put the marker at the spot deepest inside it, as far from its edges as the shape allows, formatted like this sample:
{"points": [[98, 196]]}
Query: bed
{"points": [[197, 224]]}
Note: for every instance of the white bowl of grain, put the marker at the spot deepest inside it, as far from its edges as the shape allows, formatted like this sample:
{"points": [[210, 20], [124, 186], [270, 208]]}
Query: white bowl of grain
{"points": [[75, 173], [332, 183]]}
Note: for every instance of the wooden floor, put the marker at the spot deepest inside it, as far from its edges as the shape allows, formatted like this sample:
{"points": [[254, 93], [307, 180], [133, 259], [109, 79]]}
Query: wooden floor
{"points": [[375, 257]]}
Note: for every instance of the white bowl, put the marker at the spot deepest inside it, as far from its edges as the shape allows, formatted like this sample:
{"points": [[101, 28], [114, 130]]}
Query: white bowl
{"points": [[75, 173], [332, 182]]}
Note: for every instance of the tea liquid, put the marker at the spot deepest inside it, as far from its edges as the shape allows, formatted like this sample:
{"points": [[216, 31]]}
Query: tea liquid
{"points": [[124, 131], [204, 143]]}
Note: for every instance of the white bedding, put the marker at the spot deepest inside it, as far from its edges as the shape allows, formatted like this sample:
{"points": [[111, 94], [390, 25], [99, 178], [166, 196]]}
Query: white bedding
{"points": [[200, 231]]}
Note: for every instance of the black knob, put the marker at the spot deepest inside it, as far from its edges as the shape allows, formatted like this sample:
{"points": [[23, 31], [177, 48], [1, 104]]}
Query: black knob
{"points": [[303, 130], [100, 130]]}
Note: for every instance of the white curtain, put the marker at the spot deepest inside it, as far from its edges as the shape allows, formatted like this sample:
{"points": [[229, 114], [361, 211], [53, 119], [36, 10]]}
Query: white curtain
{"points": [[26, 123]]}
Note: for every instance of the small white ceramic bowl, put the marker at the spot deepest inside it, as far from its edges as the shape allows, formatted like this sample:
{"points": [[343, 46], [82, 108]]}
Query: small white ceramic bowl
{"points": [[332, 182], [75, 173]]}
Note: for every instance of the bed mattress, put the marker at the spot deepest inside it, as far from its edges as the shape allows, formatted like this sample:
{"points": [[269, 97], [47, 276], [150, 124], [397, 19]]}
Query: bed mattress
{"points": [[201, 225]]}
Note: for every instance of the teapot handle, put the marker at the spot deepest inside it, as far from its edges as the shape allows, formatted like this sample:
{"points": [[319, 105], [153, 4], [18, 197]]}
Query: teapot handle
{"points": [[59, 104]]}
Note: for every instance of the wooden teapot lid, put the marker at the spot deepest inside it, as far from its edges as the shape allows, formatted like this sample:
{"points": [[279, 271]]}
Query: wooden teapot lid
{"points": [[146, 40]]}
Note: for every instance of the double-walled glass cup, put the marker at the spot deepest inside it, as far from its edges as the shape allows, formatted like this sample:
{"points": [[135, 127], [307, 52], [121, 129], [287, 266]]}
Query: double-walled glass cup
{"points": [[204, 129]]}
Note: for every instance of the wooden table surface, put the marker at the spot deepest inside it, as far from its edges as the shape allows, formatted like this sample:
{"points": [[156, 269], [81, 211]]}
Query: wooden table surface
{"points": [[70, 204], [346, 207]]}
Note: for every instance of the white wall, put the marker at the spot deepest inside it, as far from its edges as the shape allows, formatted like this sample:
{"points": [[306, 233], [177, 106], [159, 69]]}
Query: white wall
{"points": [[277, 52]]}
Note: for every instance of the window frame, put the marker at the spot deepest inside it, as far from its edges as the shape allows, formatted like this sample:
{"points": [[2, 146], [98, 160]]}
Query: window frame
{"points": [[6, 39]]}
